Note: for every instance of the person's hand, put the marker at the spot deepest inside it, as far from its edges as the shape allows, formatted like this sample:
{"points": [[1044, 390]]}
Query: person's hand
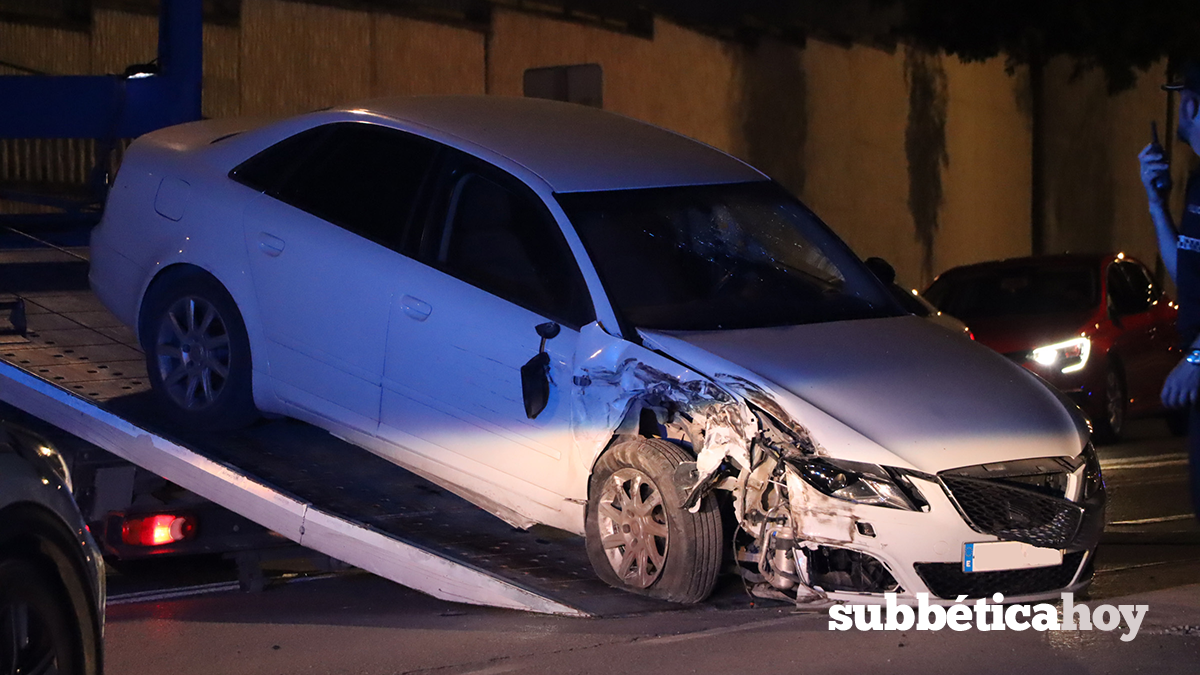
{"points": [[1155, 167], [1182, 385]]}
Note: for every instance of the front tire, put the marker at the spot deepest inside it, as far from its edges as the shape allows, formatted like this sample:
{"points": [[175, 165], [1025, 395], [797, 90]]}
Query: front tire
{"points": [[38, 633], [639, 536], [198, 354]]}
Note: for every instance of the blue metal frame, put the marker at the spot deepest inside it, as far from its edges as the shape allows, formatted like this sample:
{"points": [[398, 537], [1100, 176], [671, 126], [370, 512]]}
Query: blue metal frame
{"points": [[112, 107]]}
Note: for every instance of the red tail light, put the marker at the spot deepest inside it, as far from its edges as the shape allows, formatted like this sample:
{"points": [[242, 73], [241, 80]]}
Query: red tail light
{"points": [[158, 529]]}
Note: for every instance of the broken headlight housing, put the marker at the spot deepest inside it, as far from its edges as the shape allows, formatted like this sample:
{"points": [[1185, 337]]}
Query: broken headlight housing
{"points": [[859, 483]]}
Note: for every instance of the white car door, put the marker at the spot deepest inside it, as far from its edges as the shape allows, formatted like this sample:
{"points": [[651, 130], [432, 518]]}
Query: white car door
{"points": [[319, 242], [496, 266]]}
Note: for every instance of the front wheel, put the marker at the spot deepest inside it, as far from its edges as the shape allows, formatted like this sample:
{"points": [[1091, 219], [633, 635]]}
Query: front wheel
{"points": [[38, 631], [198, 354], [640, 538]]}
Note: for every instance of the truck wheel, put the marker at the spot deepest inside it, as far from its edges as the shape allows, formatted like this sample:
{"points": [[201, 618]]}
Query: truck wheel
{"points": [[639, 536], [37, 633], [197, 354]]}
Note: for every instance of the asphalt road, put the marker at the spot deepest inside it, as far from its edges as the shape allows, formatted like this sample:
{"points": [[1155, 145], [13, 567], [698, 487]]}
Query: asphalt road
{"points": [[188, 617]]}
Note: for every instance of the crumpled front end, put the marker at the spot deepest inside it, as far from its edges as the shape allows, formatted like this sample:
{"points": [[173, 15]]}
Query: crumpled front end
{"points": [[828, 530], [825, 514]]}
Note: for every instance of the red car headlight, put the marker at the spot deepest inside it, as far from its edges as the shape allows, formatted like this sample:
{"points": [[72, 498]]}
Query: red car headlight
{"points": [[1070, 356]]}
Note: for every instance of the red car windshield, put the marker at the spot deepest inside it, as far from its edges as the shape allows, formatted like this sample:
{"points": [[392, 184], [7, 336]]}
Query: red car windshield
{"points": [[1011, 291]]}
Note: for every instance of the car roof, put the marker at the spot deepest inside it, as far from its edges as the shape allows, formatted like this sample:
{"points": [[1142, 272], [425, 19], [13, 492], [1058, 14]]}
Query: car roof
{"points": [[574, 148]]}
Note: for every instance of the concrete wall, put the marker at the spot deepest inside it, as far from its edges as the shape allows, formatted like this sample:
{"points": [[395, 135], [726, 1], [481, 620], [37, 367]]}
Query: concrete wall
{"points": [[680, 80], [296, 57], [986, 214], [1094, 196], [836, 124], [911, 156]]}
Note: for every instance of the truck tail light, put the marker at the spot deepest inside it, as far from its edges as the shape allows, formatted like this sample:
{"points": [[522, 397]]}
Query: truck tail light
{"points": [[158, 529]]}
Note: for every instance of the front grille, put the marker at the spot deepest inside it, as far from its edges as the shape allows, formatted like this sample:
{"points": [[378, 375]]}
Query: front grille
{"points": [[948, 580], [1015, 513]]}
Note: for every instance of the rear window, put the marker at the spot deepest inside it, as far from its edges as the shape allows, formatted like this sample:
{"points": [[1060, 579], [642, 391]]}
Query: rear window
{"points": [[1014, 291]]}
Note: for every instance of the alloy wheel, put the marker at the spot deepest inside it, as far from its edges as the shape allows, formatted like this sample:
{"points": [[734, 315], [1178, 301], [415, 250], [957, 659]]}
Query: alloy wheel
{"points": [[192, 353], [633, 527]]}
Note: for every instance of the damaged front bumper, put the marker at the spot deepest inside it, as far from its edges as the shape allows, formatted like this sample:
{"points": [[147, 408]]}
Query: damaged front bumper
{"points": [[823, 548]]}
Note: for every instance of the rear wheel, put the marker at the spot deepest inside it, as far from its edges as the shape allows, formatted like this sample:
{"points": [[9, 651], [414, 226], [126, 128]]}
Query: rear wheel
{"points": [[1116, 402], [639, 536], [197, 353]]}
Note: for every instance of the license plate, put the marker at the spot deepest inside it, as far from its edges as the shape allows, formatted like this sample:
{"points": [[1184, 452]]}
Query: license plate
{"points": [[994, 556]]}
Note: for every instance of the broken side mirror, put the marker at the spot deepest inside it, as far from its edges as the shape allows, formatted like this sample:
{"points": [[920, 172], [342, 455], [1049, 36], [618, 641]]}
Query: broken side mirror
{"points": [[882, 269], [535, 374]]}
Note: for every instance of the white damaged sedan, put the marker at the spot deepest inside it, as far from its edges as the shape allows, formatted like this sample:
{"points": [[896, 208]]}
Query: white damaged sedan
{"points": [[573, 318]]}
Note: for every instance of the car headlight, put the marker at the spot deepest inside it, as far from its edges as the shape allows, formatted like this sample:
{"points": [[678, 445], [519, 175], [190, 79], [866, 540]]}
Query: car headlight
{"points": [[858, 482], [1070, 356]]}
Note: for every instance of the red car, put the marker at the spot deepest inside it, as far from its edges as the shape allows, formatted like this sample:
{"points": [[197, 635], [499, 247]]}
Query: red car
{"points": [[1098, 327]]}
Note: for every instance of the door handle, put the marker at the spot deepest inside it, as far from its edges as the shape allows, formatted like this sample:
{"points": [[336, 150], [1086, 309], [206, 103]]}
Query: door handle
{"points": [[270, 244], [415, 308]]}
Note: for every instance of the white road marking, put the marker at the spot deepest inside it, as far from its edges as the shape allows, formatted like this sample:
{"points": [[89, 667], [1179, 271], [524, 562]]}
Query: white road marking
{"points": [[204, 589], [1147, 521], [1149, 462], [172, 593]]}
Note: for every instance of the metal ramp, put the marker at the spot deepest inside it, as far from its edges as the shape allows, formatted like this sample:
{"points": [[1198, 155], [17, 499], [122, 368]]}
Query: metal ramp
{"points": [[80, 370]]}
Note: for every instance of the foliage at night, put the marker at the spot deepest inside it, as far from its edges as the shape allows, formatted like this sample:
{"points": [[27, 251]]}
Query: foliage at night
{"points": [[1117, 36]]}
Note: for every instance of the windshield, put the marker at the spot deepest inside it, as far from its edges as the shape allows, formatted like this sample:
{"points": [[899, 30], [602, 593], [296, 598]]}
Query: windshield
{"points": [[713, 257], [1016, 291]]}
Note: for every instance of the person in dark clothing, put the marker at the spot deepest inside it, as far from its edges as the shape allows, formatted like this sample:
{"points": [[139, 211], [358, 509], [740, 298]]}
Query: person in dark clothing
{"points": [[1180, 249]]}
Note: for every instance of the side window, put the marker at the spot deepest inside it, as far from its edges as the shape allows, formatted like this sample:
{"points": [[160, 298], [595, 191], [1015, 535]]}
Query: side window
{"points": [[496, 235], [268, 168], [362, 177], [1140, 277], [1128, 294]]}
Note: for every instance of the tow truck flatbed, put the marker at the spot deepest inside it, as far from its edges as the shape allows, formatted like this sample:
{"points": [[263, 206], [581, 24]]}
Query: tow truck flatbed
{"points": [[80, 370]]}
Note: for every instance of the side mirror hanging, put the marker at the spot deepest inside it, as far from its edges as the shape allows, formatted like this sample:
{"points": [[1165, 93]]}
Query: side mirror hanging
{"points": [[535, 374]]}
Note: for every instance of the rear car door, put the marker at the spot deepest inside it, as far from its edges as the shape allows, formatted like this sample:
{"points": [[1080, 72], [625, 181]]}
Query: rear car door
{"points": [[321, 243], [496, 265]]}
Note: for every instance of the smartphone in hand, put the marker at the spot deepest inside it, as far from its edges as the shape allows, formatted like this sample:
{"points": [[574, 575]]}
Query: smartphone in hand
{"points": [[1162, 182]]}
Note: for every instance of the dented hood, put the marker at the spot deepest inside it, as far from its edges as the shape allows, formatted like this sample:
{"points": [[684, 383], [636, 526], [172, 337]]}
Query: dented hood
{"points": [[932, 398]]}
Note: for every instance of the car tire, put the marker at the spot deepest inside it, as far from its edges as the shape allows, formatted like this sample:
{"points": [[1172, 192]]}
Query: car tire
{"points": [[684, 556], [38, 632], [197, 354], [1111, 422]]}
